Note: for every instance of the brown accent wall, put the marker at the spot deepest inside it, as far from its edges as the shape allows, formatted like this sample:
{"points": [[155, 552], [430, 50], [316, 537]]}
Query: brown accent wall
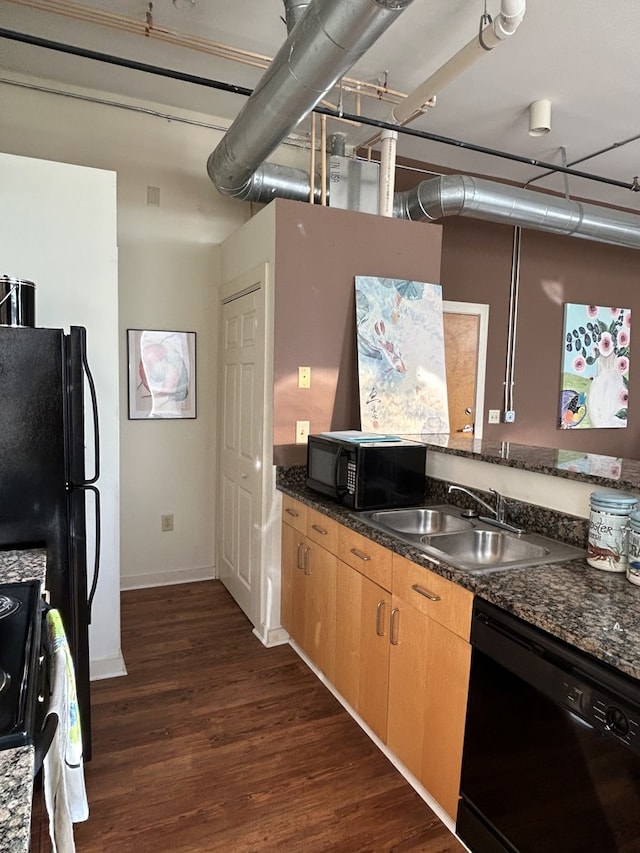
{"points": [[319, 251], [476, 267]]}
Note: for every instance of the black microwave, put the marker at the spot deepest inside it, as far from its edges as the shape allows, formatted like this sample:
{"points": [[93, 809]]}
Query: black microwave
{"points": [[365, 471]]}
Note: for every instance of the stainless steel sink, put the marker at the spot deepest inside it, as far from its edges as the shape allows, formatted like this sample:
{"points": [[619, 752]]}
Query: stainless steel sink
{"points": [[420, 520], [471, 544]]}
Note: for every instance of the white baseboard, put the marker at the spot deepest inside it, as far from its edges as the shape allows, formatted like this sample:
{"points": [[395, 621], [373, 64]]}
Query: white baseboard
{"points": [[272, 636], [146, 581], [107, 668]]}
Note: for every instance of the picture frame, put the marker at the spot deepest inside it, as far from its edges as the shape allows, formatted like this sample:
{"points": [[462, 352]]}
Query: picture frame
{"points": [[161, 374]]}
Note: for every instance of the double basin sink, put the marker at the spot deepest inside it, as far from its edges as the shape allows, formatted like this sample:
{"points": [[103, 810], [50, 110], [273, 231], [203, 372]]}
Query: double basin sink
{"points": [[473, 544]]}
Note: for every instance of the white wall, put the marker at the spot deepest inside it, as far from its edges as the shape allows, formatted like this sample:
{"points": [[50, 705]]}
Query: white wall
{"points": [[58, 229], [169, 269]]}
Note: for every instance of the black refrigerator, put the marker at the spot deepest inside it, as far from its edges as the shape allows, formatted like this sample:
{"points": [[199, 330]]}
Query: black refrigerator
{"points": [[46, 496]]}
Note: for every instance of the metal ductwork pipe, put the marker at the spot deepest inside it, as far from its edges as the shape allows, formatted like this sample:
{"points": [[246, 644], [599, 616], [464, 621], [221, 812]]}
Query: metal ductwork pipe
{"points": [[324, 44], [458, 195], [293, 11]]}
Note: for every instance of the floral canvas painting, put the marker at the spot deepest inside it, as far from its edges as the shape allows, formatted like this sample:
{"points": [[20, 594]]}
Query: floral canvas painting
{"points": [[401, 366], [595, 367]]}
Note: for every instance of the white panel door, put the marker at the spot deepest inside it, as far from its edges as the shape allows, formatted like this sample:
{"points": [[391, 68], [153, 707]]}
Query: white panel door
{"points": [[241, 438]]}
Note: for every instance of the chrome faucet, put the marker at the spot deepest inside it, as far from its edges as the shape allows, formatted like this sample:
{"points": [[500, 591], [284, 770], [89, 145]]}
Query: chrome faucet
{"points": [[498, 512]]}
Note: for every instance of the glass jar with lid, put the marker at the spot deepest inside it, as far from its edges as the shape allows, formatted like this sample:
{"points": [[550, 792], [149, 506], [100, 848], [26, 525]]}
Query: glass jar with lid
{"points": [[607, 547]]}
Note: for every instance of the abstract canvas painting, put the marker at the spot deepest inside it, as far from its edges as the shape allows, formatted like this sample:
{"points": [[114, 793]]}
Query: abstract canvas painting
{"points": [[595, 367], [401, 365], [162, 374]]}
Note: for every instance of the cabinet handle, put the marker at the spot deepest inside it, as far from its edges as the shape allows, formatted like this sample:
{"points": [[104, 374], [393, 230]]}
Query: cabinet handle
{"points": [[319, 530], [359, 554], [298, 560], [394, 626], [292, 512], [307, 567], [380, 619], [425, 592]]}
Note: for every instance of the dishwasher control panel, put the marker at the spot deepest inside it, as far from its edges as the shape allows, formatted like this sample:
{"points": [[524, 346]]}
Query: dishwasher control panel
{"points": [[607, 714]]}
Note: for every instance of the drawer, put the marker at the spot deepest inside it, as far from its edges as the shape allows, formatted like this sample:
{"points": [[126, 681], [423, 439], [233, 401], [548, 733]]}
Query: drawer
{"points": [[367, 557], [322, 530], [437, 597], [294, 514]]}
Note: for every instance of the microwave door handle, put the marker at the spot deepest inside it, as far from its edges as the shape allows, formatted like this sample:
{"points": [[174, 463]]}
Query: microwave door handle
{"points": [[341, 490]]}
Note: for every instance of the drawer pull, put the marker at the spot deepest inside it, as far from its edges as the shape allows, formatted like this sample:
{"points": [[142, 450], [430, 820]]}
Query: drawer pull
{"points": [[360, 555], [380, 619], [319, 529], [292, 512], [394, 626], [425, 592]]}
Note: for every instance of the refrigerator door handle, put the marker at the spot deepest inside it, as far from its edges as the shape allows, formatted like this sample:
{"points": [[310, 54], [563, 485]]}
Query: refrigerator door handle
{"points": [[87, 487], [94, 409]]}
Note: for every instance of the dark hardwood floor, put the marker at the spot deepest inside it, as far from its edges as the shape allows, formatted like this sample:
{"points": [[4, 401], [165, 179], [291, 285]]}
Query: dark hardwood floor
{"points": [[215, 743]]}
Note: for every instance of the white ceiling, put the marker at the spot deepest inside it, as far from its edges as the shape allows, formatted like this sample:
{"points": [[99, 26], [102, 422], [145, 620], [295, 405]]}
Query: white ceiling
{"points": [[580, 54]]}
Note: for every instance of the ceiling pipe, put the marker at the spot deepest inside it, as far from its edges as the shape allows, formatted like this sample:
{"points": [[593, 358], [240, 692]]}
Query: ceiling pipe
{"points": [[324, 44], [499, 29], [293, 11], [459, 195]]}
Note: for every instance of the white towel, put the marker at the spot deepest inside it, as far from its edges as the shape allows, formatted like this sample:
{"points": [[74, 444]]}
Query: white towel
{"points": [[64, 791]]}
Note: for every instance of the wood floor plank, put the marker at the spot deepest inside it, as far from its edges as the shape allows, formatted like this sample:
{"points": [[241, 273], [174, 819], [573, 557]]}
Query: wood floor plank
{"points": [[214, 743]]}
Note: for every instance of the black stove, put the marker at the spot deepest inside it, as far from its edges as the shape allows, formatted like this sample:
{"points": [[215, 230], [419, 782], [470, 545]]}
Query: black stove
{"points": [[20, 641]]}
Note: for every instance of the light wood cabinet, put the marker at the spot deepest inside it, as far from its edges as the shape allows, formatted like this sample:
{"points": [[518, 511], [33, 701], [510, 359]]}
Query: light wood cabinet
{"points": [[362, 646], [308, 584], [392, 637], [428, 677]]}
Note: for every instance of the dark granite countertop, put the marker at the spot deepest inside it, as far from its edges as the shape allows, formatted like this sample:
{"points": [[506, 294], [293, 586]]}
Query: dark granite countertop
{"points": [[16, 765], [608, 472], [596, 611]]}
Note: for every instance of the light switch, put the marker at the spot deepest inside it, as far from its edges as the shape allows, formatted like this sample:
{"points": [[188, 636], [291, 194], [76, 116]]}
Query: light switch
{"points": [[304, 377], [302, 432], [494, 416]]}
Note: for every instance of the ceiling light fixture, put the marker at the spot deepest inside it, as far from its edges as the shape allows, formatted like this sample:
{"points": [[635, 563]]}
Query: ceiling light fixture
{"points": [[184, 4], [539, 118]]}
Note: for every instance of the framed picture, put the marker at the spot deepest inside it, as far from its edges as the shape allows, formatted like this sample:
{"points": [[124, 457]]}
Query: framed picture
{"points": [[162, 374]]}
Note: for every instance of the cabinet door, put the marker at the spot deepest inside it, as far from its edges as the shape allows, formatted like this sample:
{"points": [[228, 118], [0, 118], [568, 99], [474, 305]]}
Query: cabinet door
{"points": [[428, 684], [362, 646], [407, 684], [319, 577], [292, 591], [448, 664]]}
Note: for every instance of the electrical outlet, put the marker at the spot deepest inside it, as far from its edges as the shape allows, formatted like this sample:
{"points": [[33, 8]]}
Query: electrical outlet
{"points": [[302, 432], [509, 416], [166, 522], [494, 416], [304, 377]]}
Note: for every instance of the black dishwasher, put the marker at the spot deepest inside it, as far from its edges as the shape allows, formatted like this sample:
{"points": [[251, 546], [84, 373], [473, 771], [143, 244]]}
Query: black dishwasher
{"points": [[551, 758]]}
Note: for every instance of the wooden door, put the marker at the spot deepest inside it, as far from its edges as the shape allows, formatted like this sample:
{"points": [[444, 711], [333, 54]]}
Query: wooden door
{"points": [[461, 337], [241, 394], [362, 646]]}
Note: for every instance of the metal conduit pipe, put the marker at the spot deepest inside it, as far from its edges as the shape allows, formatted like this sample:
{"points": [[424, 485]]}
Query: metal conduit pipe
{"points": [[325, 43], [459, 195]]}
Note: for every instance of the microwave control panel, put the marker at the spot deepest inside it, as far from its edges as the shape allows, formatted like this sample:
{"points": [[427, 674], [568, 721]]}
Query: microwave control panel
{"points": [[351, 477]]}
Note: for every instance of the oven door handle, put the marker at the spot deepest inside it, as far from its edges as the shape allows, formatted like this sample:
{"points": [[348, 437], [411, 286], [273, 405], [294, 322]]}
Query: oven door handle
{"points": [[42, 743]]}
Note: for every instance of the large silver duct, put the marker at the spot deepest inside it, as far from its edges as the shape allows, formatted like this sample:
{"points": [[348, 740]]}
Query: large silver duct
{"points": [[294, 10], [327, 40], [458, 195]]}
